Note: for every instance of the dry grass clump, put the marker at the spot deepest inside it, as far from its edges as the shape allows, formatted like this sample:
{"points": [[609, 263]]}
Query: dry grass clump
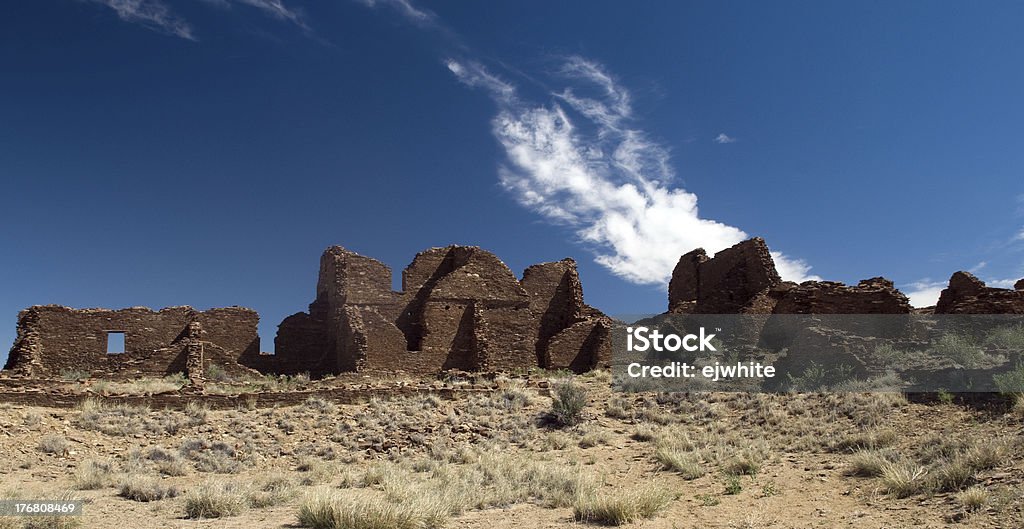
{"points": [[555, 441], [146, 488], [865, 440], [974, 498], [53, 444], [645, 433], [595, 438], [216, 499], [744, 462], [142, 386], [315, 471], [217, 456], [868, 463], [904, 478], [324, 508], [197, 412], [93, 474], [687, 464], [943, 464], [493, 479], [622, 506], [124, 419], [271, 490]]}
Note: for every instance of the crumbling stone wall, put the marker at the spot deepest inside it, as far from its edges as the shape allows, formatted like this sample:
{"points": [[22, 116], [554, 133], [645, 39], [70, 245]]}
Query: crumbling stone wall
{"points": [[967, 294], [870, 296], [726, 284], [53, 339], [743, 279], [460, 308]]}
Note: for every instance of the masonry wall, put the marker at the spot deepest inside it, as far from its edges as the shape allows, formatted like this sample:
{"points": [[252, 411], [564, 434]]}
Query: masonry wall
{"points": [[460, 308], [743, 279], [55, 339], [967, 294]]}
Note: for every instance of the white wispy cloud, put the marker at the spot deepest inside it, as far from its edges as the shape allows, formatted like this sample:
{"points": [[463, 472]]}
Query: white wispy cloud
{"points": [[405, 8], [724, 138], [276, 9], [156, 15], [1020, 236], [1001, 283], [604, 177], [923, 293], [153, 14]]}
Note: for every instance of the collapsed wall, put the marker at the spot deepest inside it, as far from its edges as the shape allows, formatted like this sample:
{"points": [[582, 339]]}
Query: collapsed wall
{"points": [[743, 279], [460, 308], [53, 340], [967, 294]]}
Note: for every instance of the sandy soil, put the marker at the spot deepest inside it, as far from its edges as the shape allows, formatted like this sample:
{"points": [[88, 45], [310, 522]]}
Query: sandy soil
{"points": [[803, 448]]}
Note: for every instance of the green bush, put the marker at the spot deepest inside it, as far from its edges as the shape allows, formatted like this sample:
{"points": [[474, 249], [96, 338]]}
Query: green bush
{"points": [[569, 401]]}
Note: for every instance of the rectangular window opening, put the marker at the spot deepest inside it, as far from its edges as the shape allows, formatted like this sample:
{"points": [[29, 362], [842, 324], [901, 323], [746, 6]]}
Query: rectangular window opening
{"points": [[115, 342]]}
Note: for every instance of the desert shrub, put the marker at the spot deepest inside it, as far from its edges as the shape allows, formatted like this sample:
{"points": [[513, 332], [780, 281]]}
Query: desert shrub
{"points": [[216, 373], [512, 398], [568, 402], [733, 485], [197, 412], [888, 354], [115, 419], [146, 488], [93, 474], [215, 499], [1011, 383], [319, 404], [209, 456], [53, 444], [817, 377], [623, 506], [961, 349], [1011, 337]]}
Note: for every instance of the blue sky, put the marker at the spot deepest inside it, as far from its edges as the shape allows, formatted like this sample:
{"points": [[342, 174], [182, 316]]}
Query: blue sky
{"points": [[204, 152]]}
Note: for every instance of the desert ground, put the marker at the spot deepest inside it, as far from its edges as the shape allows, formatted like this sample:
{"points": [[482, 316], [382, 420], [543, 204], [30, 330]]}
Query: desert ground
{"points": [[535, 450]]}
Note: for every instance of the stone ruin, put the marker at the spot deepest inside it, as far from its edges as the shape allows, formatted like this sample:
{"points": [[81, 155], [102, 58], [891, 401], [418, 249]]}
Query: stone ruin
{"points": [[742, 279], [967, 294], [52, 340], [460, 308]]}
